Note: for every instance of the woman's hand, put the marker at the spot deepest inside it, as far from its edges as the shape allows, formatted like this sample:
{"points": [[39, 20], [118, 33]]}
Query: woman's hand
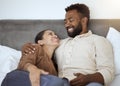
{"points": [[34, 75]]}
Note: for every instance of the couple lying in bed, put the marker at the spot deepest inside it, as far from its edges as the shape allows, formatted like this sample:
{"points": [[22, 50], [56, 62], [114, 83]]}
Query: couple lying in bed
{"points": [[84, 58]]}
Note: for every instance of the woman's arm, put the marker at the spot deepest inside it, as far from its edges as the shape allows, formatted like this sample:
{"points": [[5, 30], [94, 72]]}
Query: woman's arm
{"points": [[34, 74], [27, 63], [29, 58]]}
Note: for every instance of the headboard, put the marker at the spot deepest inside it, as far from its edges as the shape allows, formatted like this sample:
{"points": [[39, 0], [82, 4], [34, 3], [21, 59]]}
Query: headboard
{"points": [[14, 33]]}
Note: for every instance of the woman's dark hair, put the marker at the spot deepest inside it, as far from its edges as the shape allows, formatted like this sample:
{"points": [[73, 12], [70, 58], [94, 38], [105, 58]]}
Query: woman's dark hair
{"points": [[81, 8], [39, 36]]}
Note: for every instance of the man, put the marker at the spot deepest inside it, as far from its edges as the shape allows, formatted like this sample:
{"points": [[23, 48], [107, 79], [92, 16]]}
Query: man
{"points": [[83, 57]]}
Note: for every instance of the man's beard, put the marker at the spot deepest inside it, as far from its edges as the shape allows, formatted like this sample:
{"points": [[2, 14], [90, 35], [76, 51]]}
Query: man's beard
{"points": [[76, 31]]}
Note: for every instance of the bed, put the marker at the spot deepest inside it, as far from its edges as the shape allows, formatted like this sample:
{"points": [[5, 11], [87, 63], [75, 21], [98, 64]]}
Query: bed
{"points": [[14, 33]]}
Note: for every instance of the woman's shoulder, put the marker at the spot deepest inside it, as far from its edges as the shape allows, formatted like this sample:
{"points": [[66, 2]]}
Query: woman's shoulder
{"points": [[38, 49]]}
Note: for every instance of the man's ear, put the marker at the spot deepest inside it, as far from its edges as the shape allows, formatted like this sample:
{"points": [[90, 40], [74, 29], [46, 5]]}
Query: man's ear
{"points": [[84, 20], [40, 42]]}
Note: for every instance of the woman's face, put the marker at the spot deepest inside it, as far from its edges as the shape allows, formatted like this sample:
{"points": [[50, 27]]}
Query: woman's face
{"points": [[50, 38]]}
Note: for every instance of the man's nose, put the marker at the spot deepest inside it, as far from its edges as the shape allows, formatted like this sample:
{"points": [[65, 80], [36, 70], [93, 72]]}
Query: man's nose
{"points": [[67, 24]]}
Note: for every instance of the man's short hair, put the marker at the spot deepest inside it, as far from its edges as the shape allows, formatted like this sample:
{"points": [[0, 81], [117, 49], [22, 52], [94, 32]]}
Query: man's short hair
{"points": [[81, 8]]}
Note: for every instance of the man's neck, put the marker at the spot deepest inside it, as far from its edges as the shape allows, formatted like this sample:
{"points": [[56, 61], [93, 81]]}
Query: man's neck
{"points": [[84, 31]]}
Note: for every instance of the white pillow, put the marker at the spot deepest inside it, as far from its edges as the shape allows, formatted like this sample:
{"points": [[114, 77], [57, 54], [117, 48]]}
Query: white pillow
{"points": [[114, 37], [9, 59]]}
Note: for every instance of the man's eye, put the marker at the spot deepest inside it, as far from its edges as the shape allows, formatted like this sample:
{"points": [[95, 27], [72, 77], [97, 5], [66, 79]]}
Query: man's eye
{"points": [[71, 20], [65, 22]]}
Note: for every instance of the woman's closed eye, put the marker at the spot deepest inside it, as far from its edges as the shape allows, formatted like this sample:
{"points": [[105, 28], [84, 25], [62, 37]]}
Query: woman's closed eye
{"points": [[50, 33]]}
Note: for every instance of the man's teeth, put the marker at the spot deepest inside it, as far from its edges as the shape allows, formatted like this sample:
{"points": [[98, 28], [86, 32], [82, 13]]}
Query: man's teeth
{"points": [[70, 29]]}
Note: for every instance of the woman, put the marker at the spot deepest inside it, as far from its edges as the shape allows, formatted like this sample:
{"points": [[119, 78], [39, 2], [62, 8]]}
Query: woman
{"points": [[37, 64]]}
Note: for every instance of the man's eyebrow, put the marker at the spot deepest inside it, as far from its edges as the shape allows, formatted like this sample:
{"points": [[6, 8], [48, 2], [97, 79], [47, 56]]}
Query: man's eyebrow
{"points": [[64, 20], [68, 18]]}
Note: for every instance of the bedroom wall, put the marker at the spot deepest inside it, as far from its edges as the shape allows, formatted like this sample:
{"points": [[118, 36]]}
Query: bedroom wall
{"points": [[54, 9]]}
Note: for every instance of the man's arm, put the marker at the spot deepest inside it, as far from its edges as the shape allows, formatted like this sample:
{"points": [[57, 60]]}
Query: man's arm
{"points": [[104, 59], [104, 64], [96, 77], [82, 80]]}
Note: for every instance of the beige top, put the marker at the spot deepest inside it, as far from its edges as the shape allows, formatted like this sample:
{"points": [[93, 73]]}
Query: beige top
{"points": [[87, 54]]}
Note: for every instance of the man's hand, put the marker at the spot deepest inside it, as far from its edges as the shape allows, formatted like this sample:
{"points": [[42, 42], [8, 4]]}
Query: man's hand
{"points": [[83, 80], [80, 80], [35, 76], [28, 48]]}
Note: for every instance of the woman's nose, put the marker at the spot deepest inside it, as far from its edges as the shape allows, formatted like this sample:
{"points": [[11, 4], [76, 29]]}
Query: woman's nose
{"points": [[55, 36]]}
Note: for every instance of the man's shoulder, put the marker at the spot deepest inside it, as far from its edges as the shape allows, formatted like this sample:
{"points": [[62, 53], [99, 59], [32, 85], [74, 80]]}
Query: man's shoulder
{"points": [[98, 37], [63, 40]]}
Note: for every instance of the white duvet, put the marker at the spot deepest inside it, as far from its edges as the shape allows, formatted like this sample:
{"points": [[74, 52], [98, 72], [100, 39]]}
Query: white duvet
{"points": [[9, 59]]}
